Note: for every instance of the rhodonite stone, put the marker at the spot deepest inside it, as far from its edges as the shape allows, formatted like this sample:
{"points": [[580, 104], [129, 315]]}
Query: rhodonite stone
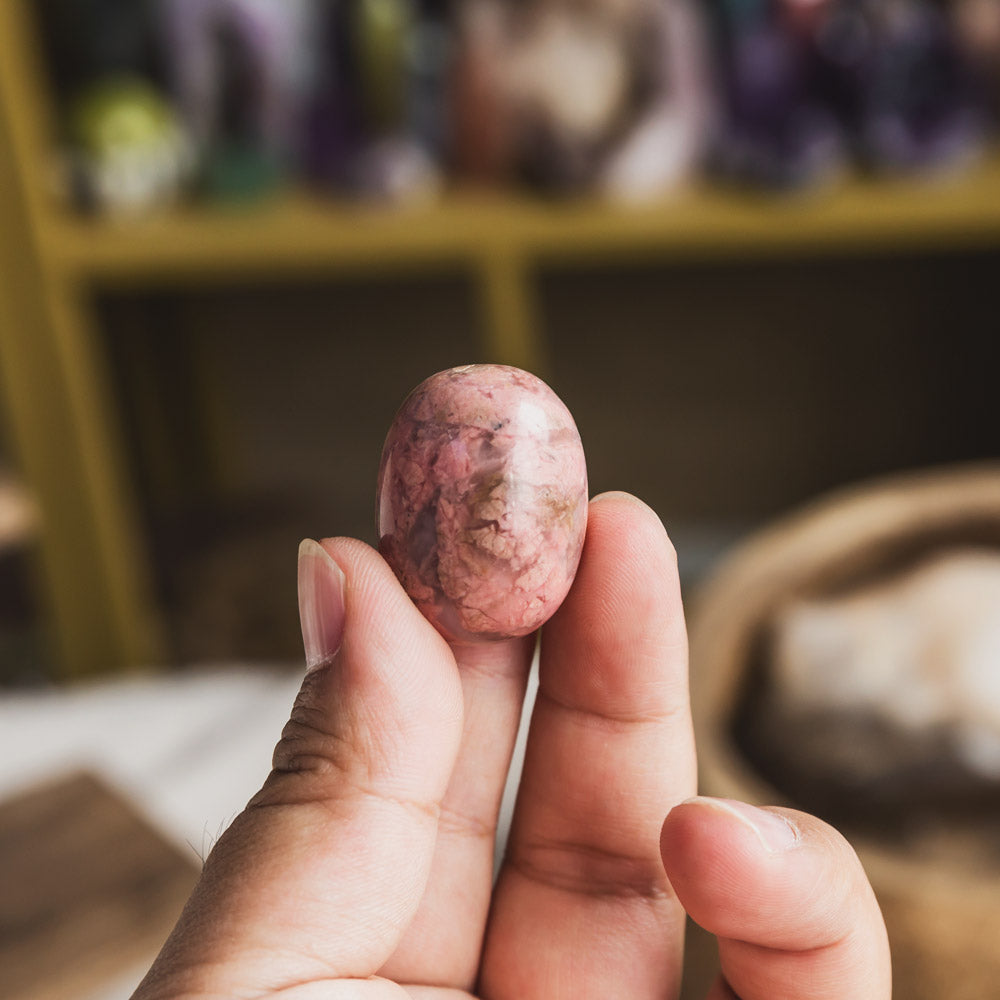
{"points": [[482, 501]]}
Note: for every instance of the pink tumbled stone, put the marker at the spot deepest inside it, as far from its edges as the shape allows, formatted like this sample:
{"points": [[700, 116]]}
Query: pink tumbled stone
{"points": [[482, 501]]}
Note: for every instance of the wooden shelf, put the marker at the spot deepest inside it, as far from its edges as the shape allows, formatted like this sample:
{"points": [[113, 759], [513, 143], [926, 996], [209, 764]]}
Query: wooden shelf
{"points": [[294, 231], [59, 392]]}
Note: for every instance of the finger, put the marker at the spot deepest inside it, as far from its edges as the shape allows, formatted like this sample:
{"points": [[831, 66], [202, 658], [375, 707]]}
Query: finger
{"points": [[786, 896], [319, 876], [443, 943], [582, 906]]}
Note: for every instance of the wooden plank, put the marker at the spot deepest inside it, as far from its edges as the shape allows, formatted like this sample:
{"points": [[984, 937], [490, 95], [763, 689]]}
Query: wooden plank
{"points": [[509, 313], [298, 232], [90, 889]]}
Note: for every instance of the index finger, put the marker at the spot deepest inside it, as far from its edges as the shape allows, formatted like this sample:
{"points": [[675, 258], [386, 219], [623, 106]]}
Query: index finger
{"points": [[583, 906]]}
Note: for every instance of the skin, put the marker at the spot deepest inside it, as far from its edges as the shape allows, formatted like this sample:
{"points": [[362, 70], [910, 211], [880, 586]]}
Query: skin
{"points": [[363, 868]]}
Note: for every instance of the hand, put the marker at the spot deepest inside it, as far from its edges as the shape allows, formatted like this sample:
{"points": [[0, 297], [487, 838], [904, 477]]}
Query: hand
{"points": [[365, 861]]}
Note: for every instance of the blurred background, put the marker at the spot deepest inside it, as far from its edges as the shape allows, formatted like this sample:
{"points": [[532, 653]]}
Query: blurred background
{"points": [[753, 245]]}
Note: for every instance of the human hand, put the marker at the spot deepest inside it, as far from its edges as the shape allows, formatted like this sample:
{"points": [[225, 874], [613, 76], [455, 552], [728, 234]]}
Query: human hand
{"points": [[363, 867]]}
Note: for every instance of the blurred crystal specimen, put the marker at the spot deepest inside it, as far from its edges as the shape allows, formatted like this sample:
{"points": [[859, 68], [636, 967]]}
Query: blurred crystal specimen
{"points": [[779, 125], [809, 86], [611, 96], [920, 108], [667, 140], [918, 656], [131, 153], [376, 118], [240, 70], [976, 26]]}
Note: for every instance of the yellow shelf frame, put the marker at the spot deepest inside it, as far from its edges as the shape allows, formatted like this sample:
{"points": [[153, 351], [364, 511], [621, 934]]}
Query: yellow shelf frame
{"points": [[64, 418], [55, 388], [294, 231]]}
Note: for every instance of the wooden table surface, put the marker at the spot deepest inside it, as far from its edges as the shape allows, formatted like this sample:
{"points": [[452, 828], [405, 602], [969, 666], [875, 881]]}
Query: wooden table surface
{"points": [[186, 750]]}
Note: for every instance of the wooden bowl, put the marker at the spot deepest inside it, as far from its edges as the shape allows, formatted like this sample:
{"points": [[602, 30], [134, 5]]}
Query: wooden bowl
{"points": [[943, 915]]}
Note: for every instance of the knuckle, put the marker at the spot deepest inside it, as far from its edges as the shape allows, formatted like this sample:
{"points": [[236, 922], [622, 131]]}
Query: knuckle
{"points": [[589, 870], [315, 740]]}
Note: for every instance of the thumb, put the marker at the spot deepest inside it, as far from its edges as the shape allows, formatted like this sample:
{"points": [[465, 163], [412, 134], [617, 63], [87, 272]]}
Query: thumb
{"points": [[787, 898], [319, 876]]}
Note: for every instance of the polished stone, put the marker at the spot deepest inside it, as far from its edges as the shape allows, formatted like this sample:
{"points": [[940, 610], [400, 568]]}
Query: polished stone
{"points": [[482, 501]]}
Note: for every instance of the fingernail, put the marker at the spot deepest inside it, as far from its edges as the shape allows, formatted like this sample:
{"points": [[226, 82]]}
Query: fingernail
{"points": [[321, 603], [773, 830], [618, 495]]}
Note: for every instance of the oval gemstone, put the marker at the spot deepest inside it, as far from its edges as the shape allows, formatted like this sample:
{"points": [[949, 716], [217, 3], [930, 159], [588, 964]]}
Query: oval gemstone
{"points": [[482, 501]]}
